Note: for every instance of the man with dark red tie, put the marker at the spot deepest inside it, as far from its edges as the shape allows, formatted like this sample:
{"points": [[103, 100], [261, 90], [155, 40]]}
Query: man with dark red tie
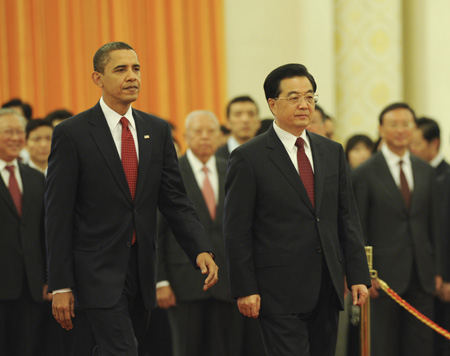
{"points": [[22, 248], [110, 168], [291, 226]]}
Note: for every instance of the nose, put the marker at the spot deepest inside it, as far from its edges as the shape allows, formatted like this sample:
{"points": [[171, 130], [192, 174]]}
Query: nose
{"points": [[303, 103]]}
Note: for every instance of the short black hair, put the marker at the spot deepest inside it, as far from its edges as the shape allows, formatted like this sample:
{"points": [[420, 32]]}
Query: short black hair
{"points": [[60, 114], [356, 139], [225, 130], [395, 106], [36, 123], [102, 57], [429, 127], [272, 82], [26, 108], [241, 99]]}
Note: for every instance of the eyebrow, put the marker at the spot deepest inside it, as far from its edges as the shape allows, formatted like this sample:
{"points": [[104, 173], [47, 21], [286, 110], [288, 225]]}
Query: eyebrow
{"points": [[296, 92], [124, 66]]}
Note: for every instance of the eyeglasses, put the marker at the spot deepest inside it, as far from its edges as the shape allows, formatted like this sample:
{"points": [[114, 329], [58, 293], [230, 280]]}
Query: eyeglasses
{"points": [[11, 132], [399, 125], [296, 99]]}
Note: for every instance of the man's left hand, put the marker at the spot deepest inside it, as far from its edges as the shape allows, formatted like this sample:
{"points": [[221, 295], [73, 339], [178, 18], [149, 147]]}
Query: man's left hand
{"points": [[359, 294], [207, 265]]}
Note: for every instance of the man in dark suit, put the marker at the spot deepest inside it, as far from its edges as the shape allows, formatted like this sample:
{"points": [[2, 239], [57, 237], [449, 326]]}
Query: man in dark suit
{"points": [[396, 198], [291, 226], [200, 322], [110, 168], [242, 121], [22, 247]]}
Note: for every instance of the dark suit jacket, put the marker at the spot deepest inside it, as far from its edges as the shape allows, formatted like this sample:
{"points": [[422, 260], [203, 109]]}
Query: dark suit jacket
{"points": [[442, 168], [90, 215], [223, 152], [174, 266], [399, 238], [275, 240], [22, 247]]}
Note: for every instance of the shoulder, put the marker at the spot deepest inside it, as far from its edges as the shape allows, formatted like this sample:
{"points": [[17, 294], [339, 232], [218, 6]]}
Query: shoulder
{"points": [[31, 173], [368, 166]]}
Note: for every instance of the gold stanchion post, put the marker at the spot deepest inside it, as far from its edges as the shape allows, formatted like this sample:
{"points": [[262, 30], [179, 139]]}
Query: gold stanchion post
{"points": [[364, 328]]}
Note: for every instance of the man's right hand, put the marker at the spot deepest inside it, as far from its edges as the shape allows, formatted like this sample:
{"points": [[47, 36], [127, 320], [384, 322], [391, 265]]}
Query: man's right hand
{"points": [[63, 305], [250, 305], [165, 297], [373, 292]]}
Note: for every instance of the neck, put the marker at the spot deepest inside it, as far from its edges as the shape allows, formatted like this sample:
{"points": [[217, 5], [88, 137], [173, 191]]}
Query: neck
{"points": [[42, 165], [241, 140], [120, 108], [399, 151]]}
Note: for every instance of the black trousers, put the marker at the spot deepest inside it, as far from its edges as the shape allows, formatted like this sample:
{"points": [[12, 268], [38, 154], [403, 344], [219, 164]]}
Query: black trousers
{"points": [[307, 334], [118, 329]]}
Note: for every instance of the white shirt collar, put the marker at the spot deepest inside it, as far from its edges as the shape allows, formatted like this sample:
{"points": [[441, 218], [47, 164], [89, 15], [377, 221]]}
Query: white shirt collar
{"points": [[289, 139], [436, 161], [232, 144], [113, 118], [394, 159], [197, 165], [14, 163]]}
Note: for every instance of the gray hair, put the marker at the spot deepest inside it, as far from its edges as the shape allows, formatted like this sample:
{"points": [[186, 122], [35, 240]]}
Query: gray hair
{"points": [[9, 112], [195, 113]]}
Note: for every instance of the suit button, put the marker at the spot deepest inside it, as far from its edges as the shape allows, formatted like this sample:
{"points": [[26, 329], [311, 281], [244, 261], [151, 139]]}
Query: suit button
{"points": [[128, 244], [319, 250], [317, 219], [135, 212]]}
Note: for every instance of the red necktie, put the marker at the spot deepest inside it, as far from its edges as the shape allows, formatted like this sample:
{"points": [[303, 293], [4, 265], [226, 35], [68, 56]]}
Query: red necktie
{"points": [[14, 190], [129, 161], [208, 194], [305, 170], [404, 187]]}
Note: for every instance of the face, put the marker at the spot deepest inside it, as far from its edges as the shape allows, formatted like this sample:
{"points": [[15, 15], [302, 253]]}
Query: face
{"points": [[328, 126], [396, 129], [421, 147], [121, 80], [316, 124], [202, 136], [293, 118], [12, 137], [38, 144], [358, 154], [243, 120]]}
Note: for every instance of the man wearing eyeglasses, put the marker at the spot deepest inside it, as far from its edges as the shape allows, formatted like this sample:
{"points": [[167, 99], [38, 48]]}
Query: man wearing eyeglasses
{"points": [[291, 226], [396, 196]]}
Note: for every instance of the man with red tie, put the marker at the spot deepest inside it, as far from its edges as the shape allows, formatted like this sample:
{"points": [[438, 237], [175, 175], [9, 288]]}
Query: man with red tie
{"points": [[291, 226], [22, 248], [110, 169]]}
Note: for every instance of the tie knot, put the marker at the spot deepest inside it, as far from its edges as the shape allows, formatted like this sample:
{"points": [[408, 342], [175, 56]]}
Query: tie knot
{"points": [[10, 169], [205, 169], [400, 163], [124, 122], [300, 142]]}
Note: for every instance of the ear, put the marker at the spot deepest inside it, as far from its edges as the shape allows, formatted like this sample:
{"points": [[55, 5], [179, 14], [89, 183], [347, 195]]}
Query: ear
{"points": [[97, 79], [381, 131], [272, 105]]}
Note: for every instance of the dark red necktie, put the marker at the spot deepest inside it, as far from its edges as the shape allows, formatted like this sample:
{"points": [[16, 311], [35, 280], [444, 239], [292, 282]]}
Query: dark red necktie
{"points": [[305, 170], [129, 161], [404, 187], [14, 190]]}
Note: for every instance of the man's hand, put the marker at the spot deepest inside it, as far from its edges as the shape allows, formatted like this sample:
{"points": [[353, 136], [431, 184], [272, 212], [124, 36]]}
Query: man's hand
{"points": [[207, 265], [359, 294], [46, 296], [374, 290], [250, 305], [444, 292], [165, 297], [438, 281], [63, 309]]}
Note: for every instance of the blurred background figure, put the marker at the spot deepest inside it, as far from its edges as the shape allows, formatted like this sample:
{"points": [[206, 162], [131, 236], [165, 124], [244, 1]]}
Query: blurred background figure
{"points": [[58, 116], [224, 135], [242, 121], [317, 121], [38, 142], [328, 126], [358, 149], [265, 124], [22, 108], [426, 142]]}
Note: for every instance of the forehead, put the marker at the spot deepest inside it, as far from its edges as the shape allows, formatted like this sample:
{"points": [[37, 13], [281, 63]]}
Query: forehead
{"points": [[41, 130], [243, 106], [295, 85], [202, 120], [122, 57], [10, 120], [400, 114]]}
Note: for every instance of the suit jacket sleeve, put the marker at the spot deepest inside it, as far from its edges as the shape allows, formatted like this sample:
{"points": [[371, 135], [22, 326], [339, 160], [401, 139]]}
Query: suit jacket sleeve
{"points": [[240, 188]]}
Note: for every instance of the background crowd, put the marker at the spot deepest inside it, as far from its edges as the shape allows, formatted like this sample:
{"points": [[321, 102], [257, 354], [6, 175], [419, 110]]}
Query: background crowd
{"points": [[410, 239]]}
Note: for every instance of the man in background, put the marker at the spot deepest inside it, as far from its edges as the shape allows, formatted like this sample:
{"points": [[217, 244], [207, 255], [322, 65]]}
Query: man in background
{"points": [[22, 252], [243, 122], [58, 116], [38, 143]]}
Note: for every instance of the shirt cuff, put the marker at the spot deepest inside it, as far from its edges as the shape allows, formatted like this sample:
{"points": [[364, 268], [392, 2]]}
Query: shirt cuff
{"points": [[65, 290], [162, 284]]}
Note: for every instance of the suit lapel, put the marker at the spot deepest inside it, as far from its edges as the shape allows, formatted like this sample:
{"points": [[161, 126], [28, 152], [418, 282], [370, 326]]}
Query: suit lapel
{"points": [[319, 160], [6, 197], [419, 181], [144, 137], [101, 134], [280, 158], [222, 173]]}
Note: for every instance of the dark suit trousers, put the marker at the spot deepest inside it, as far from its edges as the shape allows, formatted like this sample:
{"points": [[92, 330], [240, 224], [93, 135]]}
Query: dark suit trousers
{"points": [[20, 322], [309, 334], [395, 332], [118, 329], [201, 328]]}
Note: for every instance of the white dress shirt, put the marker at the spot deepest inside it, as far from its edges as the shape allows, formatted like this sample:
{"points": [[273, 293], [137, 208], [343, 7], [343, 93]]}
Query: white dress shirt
{"points": [[289, 140], [232, 144], [436, 161], [197, 168], [393, 160], [5, 173]]}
